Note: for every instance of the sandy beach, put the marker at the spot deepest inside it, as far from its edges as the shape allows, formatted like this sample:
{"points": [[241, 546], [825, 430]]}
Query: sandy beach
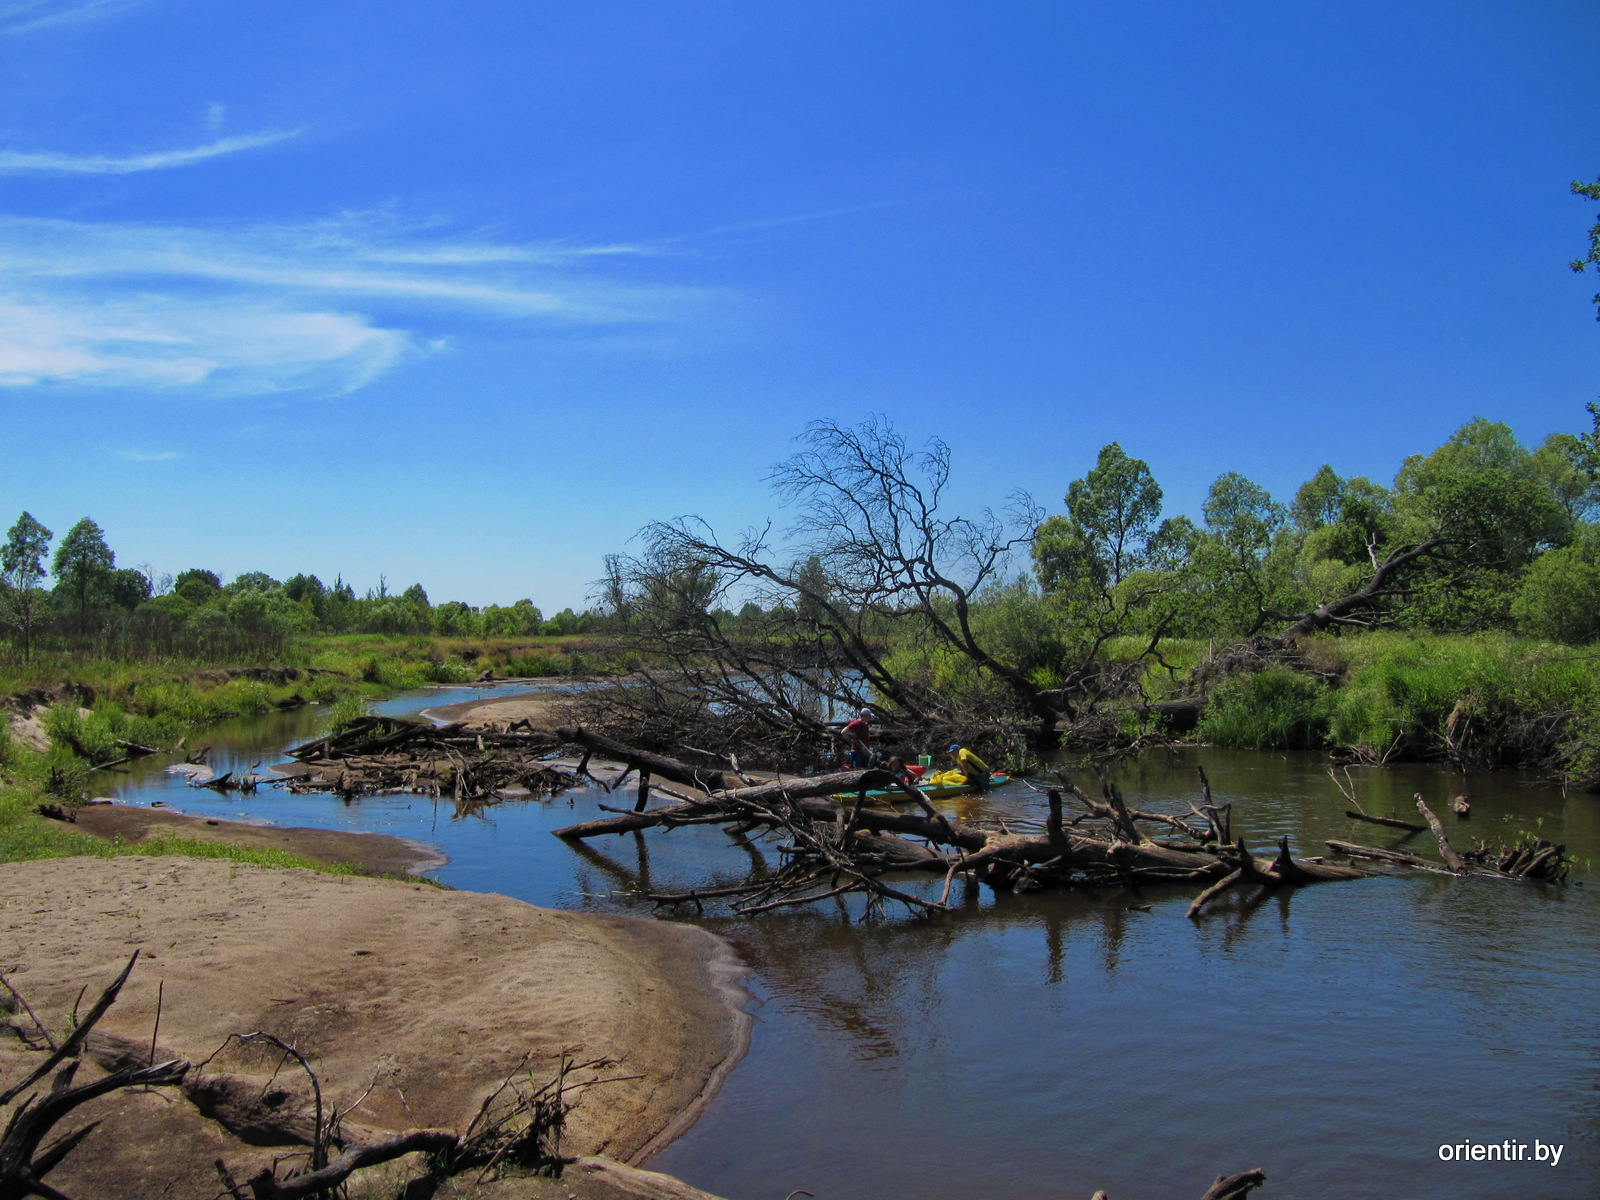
{"points": [[413, 1002]]}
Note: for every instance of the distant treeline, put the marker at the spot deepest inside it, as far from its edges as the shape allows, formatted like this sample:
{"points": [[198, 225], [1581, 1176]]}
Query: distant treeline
{"points": [[126, 612]]}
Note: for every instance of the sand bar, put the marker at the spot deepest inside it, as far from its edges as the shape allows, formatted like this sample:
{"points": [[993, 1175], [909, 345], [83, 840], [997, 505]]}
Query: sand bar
{"points": [[420, 998], [368, 853]]}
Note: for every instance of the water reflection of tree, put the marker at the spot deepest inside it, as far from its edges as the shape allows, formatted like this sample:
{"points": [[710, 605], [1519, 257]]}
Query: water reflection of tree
{"points": [[879, 984]]}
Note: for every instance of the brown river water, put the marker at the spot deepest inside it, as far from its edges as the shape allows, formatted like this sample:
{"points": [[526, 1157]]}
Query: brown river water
{"points": [[1046, 1045]]}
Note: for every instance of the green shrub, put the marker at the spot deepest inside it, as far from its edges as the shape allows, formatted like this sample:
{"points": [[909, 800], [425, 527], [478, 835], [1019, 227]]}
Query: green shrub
{"points": [[66, 776], [1560, 598], [1486, 700], [93, 737], [448, 670], [344, 713]]}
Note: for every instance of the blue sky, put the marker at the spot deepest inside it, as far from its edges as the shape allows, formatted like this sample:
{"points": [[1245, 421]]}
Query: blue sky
{"points": [[466, 294]]}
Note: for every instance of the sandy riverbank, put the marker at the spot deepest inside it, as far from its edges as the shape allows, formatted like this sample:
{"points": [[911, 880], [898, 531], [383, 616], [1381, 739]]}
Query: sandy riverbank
{"points": [[368, 853], [420, 999], [542, 710]]}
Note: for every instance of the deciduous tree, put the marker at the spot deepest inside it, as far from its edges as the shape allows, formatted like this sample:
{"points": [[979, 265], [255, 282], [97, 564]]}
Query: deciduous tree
{"points": [[82, 562], [22, 565]]}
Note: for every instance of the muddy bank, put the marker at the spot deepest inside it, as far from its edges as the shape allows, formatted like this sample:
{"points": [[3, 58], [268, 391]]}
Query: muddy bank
{"points": [[368, 853], [412, 1002]]}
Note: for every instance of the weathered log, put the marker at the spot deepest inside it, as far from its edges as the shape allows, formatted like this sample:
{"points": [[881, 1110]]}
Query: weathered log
{"points": [[1446, 850], [1216, 889], [1288, 870], [796, 788], [1391, 822], [267, 1186], [76, 1039], [1352, 850], [707, 778], [22, 1163], [1179, 716]]}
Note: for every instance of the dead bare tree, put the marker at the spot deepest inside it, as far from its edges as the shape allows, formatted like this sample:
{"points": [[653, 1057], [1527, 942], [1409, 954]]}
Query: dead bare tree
{"points": [[871, 557]]}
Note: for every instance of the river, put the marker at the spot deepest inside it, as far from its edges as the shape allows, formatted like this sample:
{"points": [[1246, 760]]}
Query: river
{"points": [[1050, 1044]]}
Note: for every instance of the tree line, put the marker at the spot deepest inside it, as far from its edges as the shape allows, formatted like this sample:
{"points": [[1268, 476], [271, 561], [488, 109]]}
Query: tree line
{"points": [[123, 611], [875, 592]]}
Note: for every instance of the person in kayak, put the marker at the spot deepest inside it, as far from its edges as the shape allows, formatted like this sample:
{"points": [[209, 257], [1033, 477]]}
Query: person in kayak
{"points": [[859, 734], [969, 764]]}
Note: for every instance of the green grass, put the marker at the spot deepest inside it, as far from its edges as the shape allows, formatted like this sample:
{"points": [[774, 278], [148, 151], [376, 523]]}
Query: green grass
{"points": [[29, 779], [24, 835]]}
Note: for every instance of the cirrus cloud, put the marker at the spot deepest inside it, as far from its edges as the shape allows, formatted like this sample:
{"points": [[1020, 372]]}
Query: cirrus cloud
{"points": [[325, 306], [24, 16], [50, 162]]}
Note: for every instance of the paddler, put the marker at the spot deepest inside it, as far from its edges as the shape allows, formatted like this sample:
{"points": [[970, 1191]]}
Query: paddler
{"points": [[859, 734], [970, 765]]}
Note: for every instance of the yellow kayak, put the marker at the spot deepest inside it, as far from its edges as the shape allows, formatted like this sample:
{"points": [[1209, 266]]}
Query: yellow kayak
{"points": [[935, 787]]}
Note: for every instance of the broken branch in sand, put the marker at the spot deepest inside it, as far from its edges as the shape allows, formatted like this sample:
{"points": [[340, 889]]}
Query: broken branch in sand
{"points": [[22, 1164]]}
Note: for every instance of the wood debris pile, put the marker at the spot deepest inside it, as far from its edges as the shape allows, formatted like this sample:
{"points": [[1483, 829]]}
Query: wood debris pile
{"points": [[390, 754], [1527, 858]]}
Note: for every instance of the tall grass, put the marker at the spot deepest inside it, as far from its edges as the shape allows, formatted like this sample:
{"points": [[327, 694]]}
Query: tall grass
{"points": [[345, 712], [1276, 709]]}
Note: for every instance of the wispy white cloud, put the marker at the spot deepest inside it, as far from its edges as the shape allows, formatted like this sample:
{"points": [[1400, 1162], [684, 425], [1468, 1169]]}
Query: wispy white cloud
{"points": [[140, 456], [326, 305], [23, 16], [28, 162]]}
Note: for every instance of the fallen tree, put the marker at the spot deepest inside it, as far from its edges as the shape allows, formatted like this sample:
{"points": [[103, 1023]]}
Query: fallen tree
{"points": [[836, 844]]}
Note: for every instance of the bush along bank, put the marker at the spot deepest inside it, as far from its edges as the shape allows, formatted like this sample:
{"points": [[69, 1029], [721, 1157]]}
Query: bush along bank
{"points": [[1484, 700]]}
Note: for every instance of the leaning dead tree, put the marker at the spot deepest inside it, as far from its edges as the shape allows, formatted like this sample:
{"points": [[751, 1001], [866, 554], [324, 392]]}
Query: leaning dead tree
{"points": [[1356, 609], [872, 558]]}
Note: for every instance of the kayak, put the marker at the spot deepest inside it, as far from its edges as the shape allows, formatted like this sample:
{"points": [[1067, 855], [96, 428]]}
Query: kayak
{"points": [[933, 791]]}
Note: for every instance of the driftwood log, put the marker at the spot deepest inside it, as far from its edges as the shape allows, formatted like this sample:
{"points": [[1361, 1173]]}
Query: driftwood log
{"points": [[23, 1164], [1391, 822]]}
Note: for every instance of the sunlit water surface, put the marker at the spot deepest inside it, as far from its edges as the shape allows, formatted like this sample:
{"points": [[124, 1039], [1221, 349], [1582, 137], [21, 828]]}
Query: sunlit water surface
{"points": [[1051, 1044]]}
